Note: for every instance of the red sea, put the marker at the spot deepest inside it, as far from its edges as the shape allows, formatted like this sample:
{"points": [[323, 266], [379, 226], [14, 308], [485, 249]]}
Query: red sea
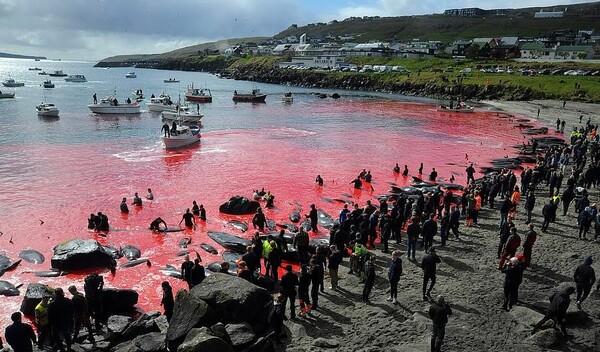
{"points": [[59, 171]]}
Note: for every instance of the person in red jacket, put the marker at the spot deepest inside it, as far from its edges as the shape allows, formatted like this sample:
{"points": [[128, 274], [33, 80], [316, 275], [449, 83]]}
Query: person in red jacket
{"points": [[530, 238], [510, 248]]}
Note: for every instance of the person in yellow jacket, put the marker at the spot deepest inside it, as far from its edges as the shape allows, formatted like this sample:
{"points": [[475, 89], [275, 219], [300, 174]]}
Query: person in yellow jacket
{"points": [[41, 322], [267, 248], [357, 258]]}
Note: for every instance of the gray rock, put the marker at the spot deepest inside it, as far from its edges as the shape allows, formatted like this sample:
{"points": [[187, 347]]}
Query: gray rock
{"points": [[263, 344], [162, 323], [126, 346], [152, 342], [116, 325], [33, 296], [544, 338], [235, 300], [200, 340], [241, 335], [117, 301], [325, 343], [81, 254], [189, 312], [526, 316], [220, 331], [143, 325]]}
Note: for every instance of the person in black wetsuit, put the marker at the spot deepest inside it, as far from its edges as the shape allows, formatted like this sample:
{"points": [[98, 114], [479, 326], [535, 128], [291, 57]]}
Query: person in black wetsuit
{"points": [[433, 175], [357, 183], [405, 171], [188, 218], [137, 201], [155, 225], [195, 208], [167, 300], [202, 213], [319, 180], [314, 218], [368, 177], [186, 270], [124, 207], [421, 169], [259, 220]]}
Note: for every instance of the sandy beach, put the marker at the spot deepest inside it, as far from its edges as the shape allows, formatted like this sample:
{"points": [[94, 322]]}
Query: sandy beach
{"points": [[469, 279]]}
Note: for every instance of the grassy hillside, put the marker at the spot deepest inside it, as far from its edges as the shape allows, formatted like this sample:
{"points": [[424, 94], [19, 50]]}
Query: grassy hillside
{"points": [[518, 22]]}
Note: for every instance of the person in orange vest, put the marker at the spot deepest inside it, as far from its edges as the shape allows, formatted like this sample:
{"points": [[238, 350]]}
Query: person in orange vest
{"points": [[514, 199]]}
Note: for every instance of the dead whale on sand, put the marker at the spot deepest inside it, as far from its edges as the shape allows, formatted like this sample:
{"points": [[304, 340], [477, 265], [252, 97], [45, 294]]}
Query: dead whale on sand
{"points": [[295, 216], [6, 264], [184, 242], [50, 273], [171, 271], [210, 249], [136, 262], [131, 252], [229, 241], [242, 226], [8, 289], [32, 256]]}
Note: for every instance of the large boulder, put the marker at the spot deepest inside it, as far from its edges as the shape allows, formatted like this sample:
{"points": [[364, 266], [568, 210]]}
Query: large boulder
{"points": [[151, 342], [116, 325], [118, 301], [526, 316], [145, 324], [81, 254], [235, 300], [189, 312], [33, 296], [545, 338], [202, 340], [241, 335], [239, 205]]}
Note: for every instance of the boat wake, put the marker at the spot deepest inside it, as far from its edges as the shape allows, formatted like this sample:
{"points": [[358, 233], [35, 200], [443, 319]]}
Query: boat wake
{"points": [[139, 156]]}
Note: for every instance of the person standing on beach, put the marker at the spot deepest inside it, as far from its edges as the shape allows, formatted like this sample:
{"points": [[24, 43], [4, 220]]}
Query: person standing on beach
{"points": [[394, 273], [41, 321], [60, 317], [549, 213], [289, 281], [530, 238], [529, 205], [369, 273], [81, 316], [335, 259], [454, 221], [584, 277], [19, 335], [439, 311], [429, 231], [557, 123], [513, 271], [470, 173], [313, 217], [412, 234], [562, 126], [429, 264], [559, 303], [303, 287], [510, 247]]}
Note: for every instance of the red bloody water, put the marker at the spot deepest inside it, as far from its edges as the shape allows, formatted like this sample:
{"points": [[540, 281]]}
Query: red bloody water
{"points": [[66, 182]]}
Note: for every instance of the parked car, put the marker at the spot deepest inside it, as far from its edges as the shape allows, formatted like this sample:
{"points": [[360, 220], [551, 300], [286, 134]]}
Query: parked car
{"points": [[466, 70]]}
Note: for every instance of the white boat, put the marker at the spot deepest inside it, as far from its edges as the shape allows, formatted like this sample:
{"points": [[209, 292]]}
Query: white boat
{"points": [[171, 80], [12, 83], [110, 105], [461, 108], [130, 75], [47, 110], [57, 73], [48, 84], [184, 115], [34, 69], [183, 136], [161, 103], [76, 78], [287, 97], [42, 73], [7, 95]]}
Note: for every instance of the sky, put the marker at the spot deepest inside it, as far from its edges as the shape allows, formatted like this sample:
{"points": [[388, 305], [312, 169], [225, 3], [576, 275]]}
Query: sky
{"points": [[95, 29]]}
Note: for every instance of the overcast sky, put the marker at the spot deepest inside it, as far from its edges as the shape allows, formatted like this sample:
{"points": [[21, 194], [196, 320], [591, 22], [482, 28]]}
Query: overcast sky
{"points": [[95, 29]]}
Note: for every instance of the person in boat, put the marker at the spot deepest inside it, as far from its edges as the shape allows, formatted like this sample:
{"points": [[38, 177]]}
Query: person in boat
{"points": [[137, 201], [115, 102], [150, 196], [95, 98], [188, 218], [152, 96], [124, 208], [319, 180], [167, 130], [396, 169], [174, 128], [128, 101], [155, 225], [235, 92]]}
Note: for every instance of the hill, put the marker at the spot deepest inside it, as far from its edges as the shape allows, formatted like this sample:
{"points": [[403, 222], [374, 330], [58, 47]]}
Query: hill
{"points": [[503, 22], [17, 56]]}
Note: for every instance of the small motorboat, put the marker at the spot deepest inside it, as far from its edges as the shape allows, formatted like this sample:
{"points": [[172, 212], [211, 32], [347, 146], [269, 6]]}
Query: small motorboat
{"points": [[57, 73], [130, 75], [110, 105], [161, 103], [76, 78], [460, 108], [47, 110], [48, 84], [253, 97], [42, 73], [12, 83], [7, 95], [198, 95], [287, 97], [35, 69], [183, 115], [183, 136], [171, 80]]}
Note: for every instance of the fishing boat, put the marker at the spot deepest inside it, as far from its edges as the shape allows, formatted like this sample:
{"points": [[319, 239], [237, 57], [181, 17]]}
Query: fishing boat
{"points": [[34, 69], [460, 108], [110, 105], [253, 97], [161, 103], [130, 75], [139, 95], [287, 97], [183, 136], [182, 114], [7, 95], [48, 84], [57, 73], [198, 95], [42, 73], [76, 78], [12, 83], [171, 80], [47, 110]]}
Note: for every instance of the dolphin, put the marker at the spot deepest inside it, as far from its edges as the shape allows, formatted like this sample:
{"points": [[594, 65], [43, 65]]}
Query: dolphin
{"points": [[32, 256], [8, 289]]}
